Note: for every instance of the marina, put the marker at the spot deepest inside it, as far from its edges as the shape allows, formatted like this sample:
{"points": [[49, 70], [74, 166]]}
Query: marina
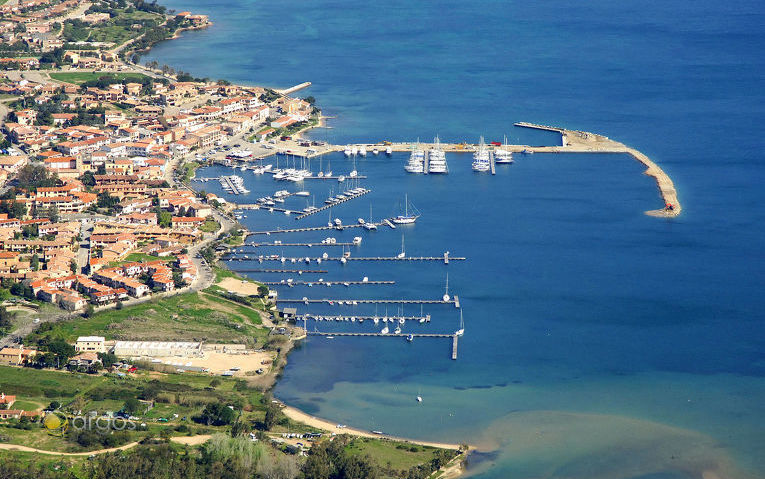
{"points": [[297, 271]]}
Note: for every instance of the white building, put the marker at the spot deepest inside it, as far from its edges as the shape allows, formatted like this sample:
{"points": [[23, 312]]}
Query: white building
{"points": [[90, 344], [157, 349]]}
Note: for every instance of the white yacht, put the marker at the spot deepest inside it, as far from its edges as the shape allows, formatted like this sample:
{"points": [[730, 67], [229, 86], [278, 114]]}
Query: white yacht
{"points": [[388, 150], [348, 151], [503, 154], [437, 159], [363, 151], [416, 162], [481, 161]]}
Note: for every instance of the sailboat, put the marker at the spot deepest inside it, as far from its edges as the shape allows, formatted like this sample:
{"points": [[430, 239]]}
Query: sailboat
{"points": [[408, 217], [419, 398], [402, 254], [460, 331], [369, 226], [446, 294], [503, 154]]}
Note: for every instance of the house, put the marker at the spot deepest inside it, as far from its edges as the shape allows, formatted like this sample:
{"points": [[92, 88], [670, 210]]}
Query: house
{"points": [[6, 401], [84, 359], [11, 356], [90, 344]]}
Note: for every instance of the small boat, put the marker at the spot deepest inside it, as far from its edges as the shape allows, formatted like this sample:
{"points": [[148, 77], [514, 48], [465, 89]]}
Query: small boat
{"points": [[388, 150], [375, 151], [384, 330], [348, 151], [363, 151], [402, 254], [460, 331], [446, 296], [397, 330], [410, 338], [330, 337]]}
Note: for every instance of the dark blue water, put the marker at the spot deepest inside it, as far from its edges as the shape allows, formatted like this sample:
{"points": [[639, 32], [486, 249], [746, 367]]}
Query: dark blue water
{"points": [[600, 343]]}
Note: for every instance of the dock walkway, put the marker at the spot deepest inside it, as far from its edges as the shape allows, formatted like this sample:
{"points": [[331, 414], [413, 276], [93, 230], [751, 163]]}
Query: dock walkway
{"points": [[332, 205]]}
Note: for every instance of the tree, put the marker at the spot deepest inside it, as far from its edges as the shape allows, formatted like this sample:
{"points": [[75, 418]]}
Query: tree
{"points": [[119, 305], [6, 318], [54, 405], [215, 383], [34, 262], [73, 266], [165, 219], [34, 176], [132, 406], [217, 414], [272, 416], [89, 312], [107, 359]]}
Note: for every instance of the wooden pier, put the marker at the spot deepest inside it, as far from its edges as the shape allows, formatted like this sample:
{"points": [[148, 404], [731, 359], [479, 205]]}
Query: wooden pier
{"points": [[332, 205], [326, 283], [455, 340]]}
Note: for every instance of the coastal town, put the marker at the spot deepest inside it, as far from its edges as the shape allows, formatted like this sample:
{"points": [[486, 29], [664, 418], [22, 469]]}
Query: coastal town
{"points": [[108, 258], [115, 301]]}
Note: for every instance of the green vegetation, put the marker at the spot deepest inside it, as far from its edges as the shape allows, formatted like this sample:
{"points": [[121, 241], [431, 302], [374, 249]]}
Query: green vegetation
{"points": [[210, 226], [188, 316], [188, 170], [78, 78]]}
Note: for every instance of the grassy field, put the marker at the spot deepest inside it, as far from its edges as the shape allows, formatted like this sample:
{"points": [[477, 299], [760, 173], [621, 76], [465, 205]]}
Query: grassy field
{"points": [[210, 226], [81, 77], [189, 316], [184, 395], [391, 455]]}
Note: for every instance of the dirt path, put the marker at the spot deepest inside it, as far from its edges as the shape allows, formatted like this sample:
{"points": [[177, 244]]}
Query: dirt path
{"points": [[15, 447], [192, 440]]}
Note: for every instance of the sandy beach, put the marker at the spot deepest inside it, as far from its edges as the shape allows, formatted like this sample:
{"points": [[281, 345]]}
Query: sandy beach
{"points": [[300, 416], [239, 286]]}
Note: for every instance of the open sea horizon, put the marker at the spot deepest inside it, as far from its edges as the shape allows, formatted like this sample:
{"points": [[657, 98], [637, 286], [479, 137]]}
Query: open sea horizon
{"points": [[599, 342]]}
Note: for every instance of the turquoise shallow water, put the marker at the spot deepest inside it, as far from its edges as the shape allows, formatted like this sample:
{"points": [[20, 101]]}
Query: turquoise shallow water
{"points": [[600, 343]]}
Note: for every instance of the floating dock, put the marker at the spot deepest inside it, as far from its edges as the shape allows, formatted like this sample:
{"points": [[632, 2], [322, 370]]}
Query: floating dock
{"points": [[354, 302], [297, 271], [325, 283], [313, 228], [314, 317], [332, 205], [260, 245], [390, 335], [455, 340], [341, 259]]}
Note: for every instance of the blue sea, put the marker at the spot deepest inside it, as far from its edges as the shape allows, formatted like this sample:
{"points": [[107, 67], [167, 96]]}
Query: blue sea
{"points": [[599, 342]]}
